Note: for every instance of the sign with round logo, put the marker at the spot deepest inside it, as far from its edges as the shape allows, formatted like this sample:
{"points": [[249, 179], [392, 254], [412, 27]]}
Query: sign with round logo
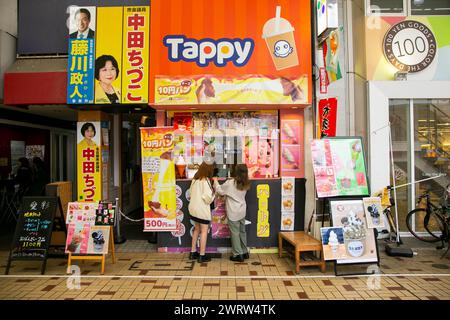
{"points": [[410, 46]]}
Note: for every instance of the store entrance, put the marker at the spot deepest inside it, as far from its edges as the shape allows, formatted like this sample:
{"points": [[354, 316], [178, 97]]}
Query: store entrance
{"points": [[131, 175], [421, 145]]}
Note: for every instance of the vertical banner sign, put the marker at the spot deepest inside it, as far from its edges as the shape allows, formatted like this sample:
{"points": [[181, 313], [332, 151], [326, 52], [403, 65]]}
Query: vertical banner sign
{"points": [[327, 117], [323, 77], [80, 78], [108, 55], [158, 178], [263, 226], [287, 203], [89, 162], [135, 54]]}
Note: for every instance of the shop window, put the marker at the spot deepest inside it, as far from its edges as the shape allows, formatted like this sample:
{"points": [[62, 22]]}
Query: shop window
{"points": [[421, 150], [227, 138], [386, 7], [430, 7]]}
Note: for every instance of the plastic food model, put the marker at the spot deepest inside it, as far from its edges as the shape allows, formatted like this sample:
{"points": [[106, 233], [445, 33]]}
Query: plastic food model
{"points": [[289, 133]]}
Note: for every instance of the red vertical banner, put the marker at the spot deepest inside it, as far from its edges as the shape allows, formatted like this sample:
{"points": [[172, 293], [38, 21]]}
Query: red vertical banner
{"points": [[327, 117]]}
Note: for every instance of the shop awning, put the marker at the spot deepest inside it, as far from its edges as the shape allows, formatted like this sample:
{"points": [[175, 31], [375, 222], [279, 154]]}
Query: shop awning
{"points": [[36, 81]]}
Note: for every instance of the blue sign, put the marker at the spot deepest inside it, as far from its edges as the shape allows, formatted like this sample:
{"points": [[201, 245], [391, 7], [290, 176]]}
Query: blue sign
{"points": [[80, 76]]}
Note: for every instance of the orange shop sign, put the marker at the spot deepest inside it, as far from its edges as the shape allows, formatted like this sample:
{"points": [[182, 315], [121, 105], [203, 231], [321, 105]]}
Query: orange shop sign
{"points": [[230, 52]]}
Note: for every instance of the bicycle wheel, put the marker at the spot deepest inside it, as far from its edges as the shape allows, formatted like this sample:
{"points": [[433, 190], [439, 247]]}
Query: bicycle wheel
{"points": [[419, 221]]}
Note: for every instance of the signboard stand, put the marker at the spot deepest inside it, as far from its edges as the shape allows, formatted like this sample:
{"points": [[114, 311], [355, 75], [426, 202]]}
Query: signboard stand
{"points": [[336, 264], [357, 193], [94, 257], [34, 230]]}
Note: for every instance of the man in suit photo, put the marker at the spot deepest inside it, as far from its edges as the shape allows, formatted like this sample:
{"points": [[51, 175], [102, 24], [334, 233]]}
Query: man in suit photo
{"points": [[82, 18]]}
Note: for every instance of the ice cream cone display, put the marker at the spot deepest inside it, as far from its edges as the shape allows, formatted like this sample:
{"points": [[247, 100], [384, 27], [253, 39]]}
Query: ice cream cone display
{"points": [[290, 131]]}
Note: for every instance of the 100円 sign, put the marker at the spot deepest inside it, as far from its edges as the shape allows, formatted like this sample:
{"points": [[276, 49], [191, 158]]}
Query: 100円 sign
{"points": [[410, 46]]}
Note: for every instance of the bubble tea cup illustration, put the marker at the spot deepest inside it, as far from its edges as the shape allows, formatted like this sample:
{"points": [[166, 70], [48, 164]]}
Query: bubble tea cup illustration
{"points": [[279, 36]]}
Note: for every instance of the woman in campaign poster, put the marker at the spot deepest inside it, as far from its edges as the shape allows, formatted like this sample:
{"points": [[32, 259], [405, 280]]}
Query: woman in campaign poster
{"points": [[106, 72]]}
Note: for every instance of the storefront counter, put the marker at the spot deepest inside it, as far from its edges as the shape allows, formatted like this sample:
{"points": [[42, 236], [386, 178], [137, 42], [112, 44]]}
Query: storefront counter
{"points": [[182, 240]]}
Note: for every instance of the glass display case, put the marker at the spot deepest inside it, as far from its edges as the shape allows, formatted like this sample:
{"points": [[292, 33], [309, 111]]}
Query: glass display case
{"points": [[228, 138]]}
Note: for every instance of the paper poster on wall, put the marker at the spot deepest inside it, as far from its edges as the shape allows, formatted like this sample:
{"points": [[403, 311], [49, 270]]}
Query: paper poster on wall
{"points": [[17, 152], [136, 26], [359, 241], [32, 151], [333, 243], [374, 212], [290, 157], [80, 78], [339, 167], [287, 186], [287, 221], [287, 203], [158, 177], [89, 162]]}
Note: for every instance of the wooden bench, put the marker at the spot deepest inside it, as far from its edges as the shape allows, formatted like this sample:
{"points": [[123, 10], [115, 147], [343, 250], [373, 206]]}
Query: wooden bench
{"points": [[302, 243]]}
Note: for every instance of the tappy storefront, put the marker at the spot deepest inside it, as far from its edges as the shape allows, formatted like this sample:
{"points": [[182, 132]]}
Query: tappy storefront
{"points": [[228, 77], [231, 79]]}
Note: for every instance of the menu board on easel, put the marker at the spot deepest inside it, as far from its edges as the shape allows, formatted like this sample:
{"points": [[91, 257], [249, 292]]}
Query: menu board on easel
{"points": [[339, 167], [33, 230]]}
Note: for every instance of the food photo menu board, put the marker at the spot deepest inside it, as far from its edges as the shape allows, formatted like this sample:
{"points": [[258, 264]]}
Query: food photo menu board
{"points": [[339, 167]]}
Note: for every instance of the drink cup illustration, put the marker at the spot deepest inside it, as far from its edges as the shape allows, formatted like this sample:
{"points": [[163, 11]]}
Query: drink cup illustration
{"points": [[279, 36]]}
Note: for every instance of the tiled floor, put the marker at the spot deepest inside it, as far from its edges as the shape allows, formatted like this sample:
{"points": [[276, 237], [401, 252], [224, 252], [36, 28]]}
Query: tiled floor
{"points": [[146, 274]]}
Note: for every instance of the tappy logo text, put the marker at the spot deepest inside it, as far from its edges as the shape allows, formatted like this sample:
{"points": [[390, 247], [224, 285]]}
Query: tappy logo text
{"points": [[204, 51]]}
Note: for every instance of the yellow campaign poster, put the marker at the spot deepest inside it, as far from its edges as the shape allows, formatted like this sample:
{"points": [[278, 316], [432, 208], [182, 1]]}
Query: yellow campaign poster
{"points": [[135, 54], [89, 162], [158, 178], [108, 55]]}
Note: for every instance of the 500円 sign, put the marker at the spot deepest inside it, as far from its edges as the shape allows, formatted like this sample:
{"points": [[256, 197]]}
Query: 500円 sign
{"points": [[410, 46]]}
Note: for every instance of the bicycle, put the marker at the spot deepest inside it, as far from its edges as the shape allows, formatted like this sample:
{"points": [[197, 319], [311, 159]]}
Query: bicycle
{"points": [[435, 219], [387, 203]]}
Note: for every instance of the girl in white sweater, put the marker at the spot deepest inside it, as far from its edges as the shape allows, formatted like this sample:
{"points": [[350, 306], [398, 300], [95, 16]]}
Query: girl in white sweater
{"points": [[202, 195]]}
